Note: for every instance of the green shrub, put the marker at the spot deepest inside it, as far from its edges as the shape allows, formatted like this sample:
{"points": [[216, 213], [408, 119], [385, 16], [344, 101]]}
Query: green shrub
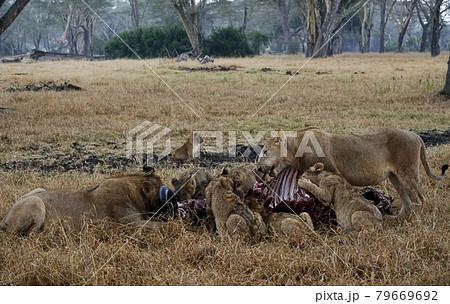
{"points": [[148, 42], [257, 40], [227, 42]]}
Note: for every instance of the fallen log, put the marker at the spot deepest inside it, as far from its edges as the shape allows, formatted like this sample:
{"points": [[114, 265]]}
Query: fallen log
{"points": [[48, 56], [14, 60]]}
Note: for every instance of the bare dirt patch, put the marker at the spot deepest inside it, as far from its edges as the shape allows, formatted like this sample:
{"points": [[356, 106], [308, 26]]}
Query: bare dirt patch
{"points": [[219, 68], [87, 157], [435, 137], [43, 86]]}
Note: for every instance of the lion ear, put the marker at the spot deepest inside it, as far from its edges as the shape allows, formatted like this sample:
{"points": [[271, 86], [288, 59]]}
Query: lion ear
{"points": [[148, 188], [148, 169], [318, 167]]}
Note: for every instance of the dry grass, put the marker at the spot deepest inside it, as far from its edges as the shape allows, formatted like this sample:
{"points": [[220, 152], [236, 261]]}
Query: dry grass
{"points": [[349, 93]]}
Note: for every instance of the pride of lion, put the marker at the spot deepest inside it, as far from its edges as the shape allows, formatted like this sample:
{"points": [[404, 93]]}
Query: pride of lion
{"points": [[331, 167], [362, 160]]}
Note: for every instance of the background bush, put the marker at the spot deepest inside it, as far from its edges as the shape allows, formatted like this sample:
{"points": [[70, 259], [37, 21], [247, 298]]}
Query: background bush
{"points": [[227, 42], [149, 42]]}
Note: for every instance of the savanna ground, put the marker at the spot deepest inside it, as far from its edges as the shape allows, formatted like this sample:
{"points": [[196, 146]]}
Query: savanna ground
{"points": [[75, 139]]}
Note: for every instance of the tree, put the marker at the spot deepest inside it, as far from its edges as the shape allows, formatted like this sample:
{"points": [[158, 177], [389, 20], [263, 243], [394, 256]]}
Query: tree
{"points": [[446, 89], [11, 14], [189, 13], [384, 17], [366, 26], [423, 14], [325, 17], [436, 26], [407, 8]]}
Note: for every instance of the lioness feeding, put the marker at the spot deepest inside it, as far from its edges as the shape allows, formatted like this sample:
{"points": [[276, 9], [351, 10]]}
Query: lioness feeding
{"points": [[362, 160], [124, 198], [353, 211]]}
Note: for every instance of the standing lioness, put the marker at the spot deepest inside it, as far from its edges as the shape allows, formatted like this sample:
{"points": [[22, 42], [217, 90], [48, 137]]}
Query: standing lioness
{"points": [[362, 160], [125, 198]]}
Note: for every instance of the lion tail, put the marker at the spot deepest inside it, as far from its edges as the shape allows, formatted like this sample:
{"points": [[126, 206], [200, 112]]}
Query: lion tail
{"points": [[426, 165]]}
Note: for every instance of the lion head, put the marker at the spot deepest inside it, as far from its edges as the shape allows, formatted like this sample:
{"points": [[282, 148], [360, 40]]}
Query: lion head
{"points": [[270, 159]]}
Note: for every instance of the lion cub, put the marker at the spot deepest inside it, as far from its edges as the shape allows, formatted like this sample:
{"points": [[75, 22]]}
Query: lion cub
{"points": [[192, 184], [231, 215], [188, 149], [284, 224], [244, 178], [353, 212]]}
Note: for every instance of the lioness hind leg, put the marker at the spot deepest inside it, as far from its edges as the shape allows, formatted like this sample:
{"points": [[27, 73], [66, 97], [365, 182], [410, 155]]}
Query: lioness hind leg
{"points": [[26, 215], [412, 197], [406, 207], [31, 193], [365, 220]]}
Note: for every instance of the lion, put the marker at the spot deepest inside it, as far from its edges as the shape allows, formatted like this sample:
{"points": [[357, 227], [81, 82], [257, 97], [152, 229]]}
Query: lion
{"points": [[124, 198], [244, 178], [192, 184], [281, 224], [284, 224], [362, 160], [248, 219], [231, 215], [353, 211], [188, 149]]}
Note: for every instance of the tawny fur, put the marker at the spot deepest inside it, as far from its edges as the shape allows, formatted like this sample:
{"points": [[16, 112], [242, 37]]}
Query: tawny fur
{"points": [[125, 198], [231, 215], [188, 149], [289, 225], [353, 211], [192, 183], [244, 178], [362, 160]]}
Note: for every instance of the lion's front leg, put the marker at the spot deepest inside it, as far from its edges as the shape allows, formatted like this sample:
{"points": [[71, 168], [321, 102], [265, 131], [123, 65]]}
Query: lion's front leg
{"points": [[324, 195]]}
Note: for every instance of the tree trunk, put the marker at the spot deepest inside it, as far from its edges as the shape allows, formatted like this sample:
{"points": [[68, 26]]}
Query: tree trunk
{"points": [[405, 23], [285, 7], [86, 39], [424, 39], [331, 17], [244, 24], [340, 38], [321, 47], [401, 37], [365, 29], [189, 13], [63, 38], [436, 28], [446, 89], [312, 28], [134, 13], [425, 24], [8, 18], [382, 25]]}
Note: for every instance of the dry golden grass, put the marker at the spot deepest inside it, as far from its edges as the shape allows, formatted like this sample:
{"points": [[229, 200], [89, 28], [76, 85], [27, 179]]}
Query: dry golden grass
{"points": [[347, 93]]}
